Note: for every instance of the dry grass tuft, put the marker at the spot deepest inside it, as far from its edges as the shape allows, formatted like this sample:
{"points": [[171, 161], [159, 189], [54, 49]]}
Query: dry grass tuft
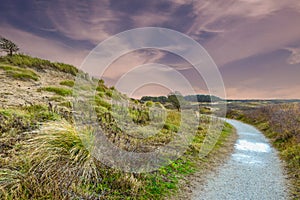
{"points": [[59, 154]]}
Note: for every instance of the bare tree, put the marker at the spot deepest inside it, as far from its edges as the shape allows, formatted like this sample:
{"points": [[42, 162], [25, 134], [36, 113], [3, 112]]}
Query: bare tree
{"points": [[8, 46]]}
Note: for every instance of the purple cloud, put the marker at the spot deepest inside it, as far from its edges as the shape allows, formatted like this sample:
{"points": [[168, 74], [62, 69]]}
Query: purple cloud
{"points": [[255, 43]]}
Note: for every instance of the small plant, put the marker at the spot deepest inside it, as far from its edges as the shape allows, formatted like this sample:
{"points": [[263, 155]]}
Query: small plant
{"points": [[149, 103], [69, 83], [66, 104], [109, 93], [101, 102], [56, 98], [171, 127], [57, 90]]}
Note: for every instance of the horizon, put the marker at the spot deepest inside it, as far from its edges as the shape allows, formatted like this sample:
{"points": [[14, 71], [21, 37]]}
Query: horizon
{"points": [[227, 99], [255, 45]]}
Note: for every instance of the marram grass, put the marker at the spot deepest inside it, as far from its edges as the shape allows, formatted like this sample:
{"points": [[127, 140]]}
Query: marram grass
{"points": [[58, 153]]}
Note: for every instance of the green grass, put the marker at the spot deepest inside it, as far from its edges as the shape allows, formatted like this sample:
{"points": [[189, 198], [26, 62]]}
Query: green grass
{"points": [[101, 102], [69, 83], [57, 157], [15, 123], [37, 63], [24, 118], [171, 127], [56, 98], [19, 73], [100, 89], [66, 104], [44, 156], [65, 68], [57, 90]]}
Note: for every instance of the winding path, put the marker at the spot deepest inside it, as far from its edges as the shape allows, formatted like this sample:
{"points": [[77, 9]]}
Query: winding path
{"points": [[253, 172]]}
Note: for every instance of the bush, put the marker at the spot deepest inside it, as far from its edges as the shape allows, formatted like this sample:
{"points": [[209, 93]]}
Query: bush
{"points": [[109, 93], [149, 103]]}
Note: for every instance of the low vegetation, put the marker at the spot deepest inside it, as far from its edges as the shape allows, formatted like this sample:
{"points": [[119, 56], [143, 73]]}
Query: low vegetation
{"points": [[57, 90], [37, 63], [280, 123], [43, 155], [69, 83], [19, 73], [53, 160]]}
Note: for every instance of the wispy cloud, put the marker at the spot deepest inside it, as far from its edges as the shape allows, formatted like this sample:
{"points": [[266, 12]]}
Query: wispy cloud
{"points": [[295, 55], [42, 47], [244, 37]]}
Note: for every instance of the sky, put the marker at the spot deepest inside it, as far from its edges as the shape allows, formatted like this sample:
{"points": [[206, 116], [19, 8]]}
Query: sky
{"points": [[255, 44]]}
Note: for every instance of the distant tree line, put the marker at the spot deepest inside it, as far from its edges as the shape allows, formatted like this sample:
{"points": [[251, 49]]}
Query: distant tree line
{"points": [[191, 98], [174, 98], [202, 98], [161, 99]]}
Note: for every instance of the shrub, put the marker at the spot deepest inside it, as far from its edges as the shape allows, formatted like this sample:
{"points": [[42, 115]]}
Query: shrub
{"points": [[149, 103], [109, 93]]}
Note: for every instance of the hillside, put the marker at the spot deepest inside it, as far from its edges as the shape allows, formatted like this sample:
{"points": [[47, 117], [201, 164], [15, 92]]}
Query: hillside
{"points": [[43, 154], [24, 78]]}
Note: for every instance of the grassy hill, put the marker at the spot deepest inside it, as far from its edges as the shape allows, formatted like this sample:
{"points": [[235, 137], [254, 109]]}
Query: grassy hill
{"points": [[43, 155]]}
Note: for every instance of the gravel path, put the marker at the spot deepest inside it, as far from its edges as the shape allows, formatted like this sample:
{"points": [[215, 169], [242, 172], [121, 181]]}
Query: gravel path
{"points": [[253, 172]]}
